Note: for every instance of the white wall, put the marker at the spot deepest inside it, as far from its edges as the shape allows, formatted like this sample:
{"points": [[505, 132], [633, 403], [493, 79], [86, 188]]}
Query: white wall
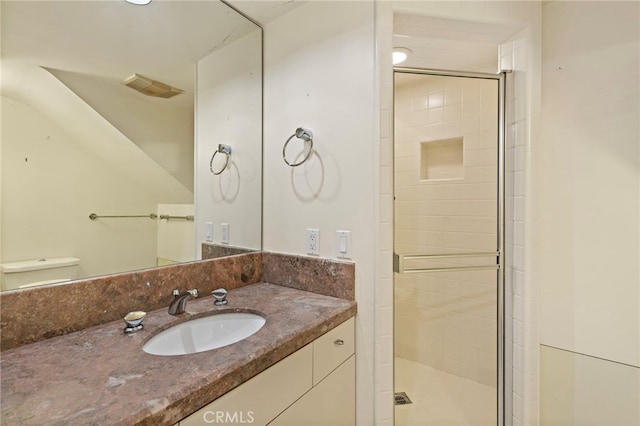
{"points": [[319, 74], [590, 189], [229, 111]]}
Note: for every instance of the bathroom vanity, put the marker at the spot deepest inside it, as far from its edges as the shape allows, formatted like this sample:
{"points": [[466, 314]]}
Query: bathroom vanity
{"points": [[300, 365], [315, 383]]}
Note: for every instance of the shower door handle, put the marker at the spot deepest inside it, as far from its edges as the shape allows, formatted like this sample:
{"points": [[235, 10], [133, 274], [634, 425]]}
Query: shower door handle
{"points": [[400, 262]]}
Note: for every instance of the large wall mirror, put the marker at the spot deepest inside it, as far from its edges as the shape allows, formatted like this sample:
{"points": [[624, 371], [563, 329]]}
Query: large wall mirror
{"points": [[105, 106]]}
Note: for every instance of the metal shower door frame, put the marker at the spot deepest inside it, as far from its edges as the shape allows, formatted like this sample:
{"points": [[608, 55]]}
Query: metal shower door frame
{"points": [[500, 253]]}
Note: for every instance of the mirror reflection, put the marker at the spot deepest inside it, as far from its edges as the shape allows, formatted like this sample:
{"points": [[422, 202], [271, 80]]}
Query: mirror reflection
{"points": [[105, 106]]}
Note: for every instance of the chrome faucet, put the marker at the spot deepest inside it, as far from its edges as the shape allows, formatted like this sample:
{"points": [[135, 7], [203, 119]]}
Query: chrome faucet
{"points": [[179, 302]]}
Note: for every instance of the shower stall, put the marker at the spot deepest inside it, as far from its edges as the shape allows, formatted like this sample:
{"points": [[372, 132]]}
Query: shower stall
{"points": [[448, 244]]}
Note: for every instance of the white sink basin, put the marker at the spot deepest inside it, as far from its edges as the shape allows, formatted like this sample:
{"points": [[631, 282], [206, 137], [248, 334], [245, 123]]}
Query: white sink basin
{"points": [[204, 334]]}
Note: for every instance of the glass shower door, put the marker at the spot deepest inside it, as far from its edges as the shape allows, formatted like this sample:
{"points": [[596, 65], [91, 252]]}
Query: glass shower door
{"points": [[448, 244]]}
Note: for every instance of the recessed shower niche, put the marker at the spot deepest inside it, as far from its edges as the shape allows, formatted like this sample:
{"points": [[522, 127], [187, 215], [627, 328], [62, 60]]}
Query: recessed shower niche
{"points": [[442, 159]]}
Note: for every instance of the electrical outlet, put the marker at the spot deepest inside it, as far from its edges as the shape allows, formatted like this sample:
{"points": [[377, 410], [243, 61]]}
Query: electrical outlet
{"points": [[313, 241], [208, 236], [225, 233]]}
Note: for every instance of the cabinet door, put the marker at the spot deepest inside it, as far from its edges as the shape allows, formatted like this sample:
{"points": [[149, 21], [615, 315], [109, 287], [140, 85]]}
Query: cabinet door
{"points": [[330, 403], [260, 399]]}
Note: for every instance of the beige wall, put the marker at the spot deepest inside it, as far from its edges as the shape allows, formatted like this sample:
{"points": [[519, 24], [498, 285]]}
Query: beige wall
{"points": [[319, 74], [176, 237], [582, 390], [54, 176], [590, 205]]}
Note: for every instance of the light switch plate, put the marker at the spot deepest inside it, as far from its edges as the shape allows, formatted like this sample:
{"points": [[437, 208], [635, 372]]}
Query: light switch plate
{"points": [[343, 244], [208, 236], [225, 233]]}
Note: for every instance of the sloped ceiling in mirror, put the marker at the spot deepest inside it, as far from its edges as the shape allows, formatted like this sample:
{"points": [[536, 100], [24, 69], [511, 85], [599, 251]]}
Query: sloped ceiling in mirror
{"points": [[162, 128], [161, 41]]}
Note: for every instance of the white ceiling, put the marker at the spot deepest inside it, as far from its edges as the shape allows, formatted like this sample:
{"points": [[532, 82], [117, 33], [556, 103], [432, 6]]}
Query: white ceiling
{"points": [[440, 43]]}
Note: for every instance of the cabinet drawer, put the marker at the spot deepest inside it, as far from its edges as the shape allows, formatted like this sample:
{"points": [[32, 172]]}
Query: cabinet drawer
{"points": [[332, 349], [262, 398]]}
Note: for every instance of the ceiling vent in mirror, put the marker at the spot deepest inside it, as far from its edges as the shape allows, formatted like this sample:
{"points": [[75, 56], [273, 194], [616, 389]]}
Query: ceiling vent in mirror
{"points": [[149, 87]]}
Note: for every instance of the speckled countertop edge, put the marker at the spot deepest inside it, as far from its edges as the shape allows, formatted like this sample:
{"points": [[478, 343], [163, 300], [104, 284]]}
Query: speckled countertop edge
{"points": [[101, 376]]}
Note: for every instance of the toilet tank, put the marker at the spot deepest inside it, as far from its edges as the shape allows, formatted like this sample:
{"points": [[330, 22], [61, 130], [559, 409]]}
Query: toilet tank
{"points": [[31, 273]]}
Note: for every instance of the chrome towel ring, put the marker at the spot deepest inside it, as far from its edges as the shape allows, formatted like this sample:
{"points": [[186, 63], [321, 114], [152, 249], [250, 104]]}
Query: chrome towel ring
{"points": [[226, 150], [304, 134]]}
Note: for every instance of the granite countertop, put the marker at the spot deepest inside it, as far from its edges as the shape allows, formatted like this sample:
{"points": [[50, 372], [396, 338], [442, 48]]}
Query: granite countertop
{"points": [[101, 376]]}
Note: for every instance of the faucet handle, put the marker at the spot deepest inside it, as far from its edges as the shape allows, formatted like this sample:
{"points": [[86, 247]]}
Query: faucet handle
{"points": [[193, 293], [220, 295], [134, 321]]}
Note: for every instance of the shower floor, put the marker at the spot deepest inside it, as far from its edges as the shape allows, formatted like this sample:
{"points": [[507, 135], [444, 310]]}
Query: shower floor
{"points": [[441, 399]]}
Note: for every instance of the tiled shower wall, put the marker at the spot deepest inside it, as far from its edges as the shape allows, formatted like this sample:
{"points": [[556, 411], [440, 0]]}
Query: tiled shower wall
{"points": [[446, 320], [521, 301]]}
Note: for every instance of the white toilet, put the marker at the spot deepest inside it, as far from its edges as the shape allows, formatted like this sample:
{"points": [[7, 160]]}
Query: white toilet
{"points": [[32, 273]]}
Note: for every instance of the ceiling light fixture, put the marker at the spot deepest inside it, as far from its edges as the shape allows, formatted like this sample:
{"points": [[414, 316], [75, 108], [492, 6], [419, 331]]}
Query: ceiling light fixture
{"points": [[139, 2], [400, 54]]}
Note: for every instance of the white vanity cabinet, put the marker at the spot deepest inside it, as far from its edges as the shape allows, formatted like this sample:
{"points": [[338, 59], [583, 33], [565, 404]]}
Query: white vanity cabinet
{"points": [[329, 403], [314, 386]]}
